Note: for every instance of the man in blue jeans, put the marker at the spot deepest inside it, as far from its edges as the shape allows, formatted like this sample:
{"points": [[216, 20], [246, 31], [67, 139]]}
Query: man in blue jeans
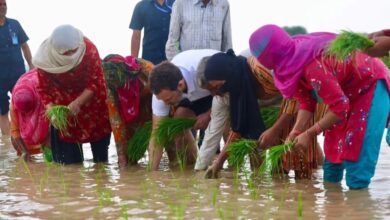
{"points": [[153, 16], [13, 40]]}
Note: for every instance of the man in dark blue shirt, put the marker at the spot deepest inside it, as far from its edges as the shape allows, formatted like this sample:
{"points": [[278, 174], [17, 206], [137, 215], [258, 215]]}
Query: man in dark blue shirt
{"points": [[153, 16], [13, 40]]}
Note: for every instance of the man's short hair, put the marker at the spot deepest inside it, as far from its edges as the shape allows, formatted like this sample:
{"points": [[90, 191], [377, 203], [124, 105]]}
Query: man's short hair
{"points": [[200, 78], [164, 76]]}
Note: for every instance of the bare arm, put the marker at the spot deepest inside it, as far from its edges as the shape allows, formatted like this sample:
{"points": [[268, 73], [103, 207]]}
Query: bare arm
{"points": [[155, 152], [326, 122], [381, 47], [272, 136], [135, 43], [16, 139], [303, 119], [202, 120], [76, 104], [303, 140], [213, 170], [27, 55]]}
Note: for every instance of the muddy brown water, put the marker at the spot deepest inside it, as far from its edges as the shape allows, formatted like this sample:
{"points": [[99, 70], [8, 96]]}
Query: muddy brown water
{"points": [[35, 190]]}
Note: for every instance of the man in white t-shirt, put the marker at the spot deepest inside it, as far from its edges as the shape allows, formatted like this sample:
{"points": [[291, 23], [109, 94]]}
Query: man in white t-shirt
{"points": [[174, 84]]}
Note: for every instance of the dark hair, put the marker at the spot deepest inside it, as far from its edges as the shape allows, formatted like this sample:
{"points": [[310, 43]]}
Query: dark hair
{"points": [[164, 76]]}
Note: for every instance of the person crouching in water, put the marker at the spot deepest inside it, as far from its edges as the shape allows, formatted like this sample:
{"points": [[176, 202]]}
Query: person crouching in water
{"points": [[70, 74]]}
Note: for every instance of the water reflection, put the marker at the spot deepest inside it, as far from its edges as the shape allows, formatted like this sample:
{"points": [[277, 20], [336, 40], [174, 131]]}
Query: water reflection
{"points": [[36, 190]]}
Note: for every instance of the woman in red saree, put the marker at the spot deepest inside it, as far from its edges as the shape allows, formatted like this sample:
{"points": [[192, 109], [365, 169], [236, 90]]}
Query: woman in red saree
{"points": [[70, 74]]}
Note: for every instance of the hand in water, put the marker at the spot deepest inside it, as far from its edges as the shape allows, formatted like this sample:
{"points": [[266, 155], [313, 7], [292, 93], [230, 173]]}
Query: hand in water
{"points": [[212, 172]]}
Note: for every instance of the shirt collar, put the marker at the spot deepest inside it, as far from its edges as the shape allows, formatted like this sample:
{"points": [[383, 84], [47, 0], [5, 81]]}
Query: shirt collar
{"points": [[200, 1]]}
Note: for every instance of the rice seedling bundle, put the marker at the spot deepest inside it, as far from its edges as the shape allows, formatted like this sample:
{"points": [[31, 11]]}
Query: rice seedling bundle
{"points": [[138, 144], [170, 128], [58, 117], [347, 42], [239, 149], [272, 157], [47, 154], [269, 115]]}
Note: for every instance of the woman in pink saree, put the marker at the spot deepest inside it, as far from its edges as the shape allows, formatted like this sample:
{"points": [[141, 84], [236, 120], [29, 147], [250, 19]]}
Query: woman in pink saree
{"points": [[29, 125]]}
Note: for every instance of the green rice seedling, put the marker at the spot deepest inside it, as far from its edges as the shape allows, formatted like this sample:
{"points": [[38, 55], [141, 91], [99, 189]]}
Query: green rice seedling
{"points": [[45, 179], [272, 157], [47, 154], [214, 197], [221, 213], [170, 128], [124, 213], [138, 144], [64, 184], [58, 117], [283, 196], [178, 210], [251, 185], [300, 205], [181, 155], [270, 115], [238, 150], [386, 61], [27, 168], [346, 42], [104, 194], [105, 197]]}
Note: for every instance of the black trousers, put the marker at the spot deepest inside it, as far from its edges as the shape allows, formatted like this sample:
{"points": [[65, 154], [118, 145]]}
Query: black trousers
{"points": [[70, 153]]}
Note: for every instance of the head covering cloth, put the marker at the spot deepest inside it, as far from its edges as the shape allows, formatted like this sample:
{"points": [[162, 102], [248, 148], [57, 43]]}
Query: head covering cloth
{"points": [[51, 55], [29, 109], [244, 109], [285, 55]]}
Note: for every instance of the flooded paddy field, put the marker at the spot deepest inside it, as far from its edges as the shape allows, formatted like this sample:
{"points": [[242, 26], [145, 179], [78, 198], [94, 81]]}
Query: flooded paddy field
{"points": [[35, 190]]}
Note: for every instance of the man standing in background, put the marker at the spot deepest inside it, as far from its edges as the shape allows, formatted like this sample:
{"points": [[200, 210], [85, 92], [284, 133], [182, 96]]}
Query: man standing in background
{"points": [[199, 24], [154, 16], [13, 40]]}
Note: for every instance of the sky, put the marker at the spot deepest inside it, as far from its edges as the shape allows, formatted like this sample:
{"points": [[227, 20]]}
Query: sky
{"points": [[106, 22]]}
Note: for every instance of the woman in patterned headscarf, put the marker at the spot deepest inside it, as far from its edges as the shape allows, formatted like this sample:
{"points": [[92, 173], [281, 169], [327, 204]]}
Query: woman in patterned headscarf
{"points": [[355, 89], [125, 72]]}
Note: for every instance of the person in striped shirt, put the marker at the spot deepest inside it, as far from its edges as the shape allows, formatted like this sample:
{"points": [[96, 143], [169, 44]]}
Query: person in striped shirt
{"points": [[199, 24]]}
